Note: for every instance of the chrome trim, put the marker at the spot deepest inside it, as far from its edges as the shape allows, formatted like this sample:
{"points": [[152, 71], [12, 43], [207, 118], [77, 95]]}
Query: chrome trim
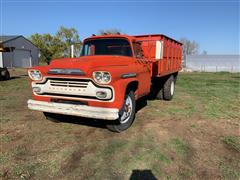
{"points": [[66, 71], [128, 75], [74, 110]]}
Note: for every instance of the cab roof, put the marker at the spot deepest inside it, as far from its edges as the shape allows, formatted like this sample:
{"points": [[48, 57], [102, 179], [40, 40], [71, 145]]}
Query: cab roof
{"points": [[130, 38], [111, 36]]}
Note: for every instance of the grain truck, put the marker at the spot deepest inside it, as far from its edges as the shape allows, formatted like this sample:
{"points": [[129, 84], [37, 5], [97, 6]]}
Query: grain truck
{"points": [[105, 82]]}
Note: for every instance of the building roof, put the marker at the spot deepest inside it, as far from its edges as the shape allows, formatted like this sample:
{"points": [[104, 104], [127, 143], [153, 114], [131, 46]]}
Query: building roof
{"points": [[213, 55], [4, 39], [224, 58], [214, 63]]}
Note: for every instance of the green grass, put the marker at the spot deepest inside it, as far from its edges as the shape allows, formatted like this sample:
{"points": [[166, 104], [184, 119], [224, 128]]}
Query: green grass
{"points": [[232, 142], [216, 94], [229, 172], [178, 145], [174, 140], [205, 95]]}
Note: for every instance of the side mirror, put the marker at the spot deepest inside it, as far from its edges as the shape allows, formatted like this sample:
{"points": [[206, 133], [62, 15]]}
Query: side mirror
{"points": [[159, 50]]}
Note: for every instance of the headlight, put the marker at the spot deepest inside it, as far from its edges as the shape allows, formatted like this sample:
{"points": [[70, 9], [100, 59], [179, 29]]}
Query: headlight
{"points": [[35, 75], [102, 77]]}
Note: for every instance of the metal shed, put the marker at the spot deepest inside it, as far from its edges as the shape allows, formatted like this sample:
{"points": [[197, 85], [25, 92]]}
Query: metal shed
{"points": [[213, 63], [17, 51]]}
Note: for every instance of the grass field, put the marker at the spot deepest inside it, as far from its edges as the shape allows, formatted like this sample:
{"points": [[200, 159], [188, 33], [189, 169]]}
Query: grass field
{"points": [[194, 136]]}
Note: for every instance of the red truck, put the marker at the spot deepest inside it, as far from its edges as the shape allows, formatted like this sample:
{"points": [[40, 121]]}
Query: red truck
{"points": [[112, 72]]}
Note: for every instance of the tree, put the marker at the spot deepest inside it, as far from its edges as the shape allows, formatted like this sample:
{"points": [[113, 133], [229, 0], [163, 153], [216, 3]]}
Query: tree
{"points": [[68, 36], [109, 31], [56, 46], [189, 47], [50, 46]]}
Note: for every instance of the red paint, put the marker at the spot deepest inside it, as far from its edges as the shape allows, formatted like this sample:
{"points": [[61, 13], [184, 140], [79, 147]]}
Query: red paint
{"points": [[145, 67]]}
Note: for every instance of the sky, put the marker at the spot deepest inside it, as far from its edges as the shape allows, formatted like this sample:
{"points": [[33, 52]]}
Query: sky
{"points": [[213, 24]]}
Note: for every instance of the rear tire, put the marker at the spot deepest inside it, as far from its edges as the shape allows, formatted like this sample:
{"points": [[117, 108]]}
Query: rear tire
{"points": [[156, 91], [126, 115], [169, 88], [160, 94]]}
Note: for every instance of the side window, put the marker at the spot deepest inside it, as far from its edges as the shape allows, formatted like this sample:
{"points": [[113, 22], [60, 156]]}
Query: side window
{"points": [[85, 50], [92, 50], [138, 49], [88, 50]]}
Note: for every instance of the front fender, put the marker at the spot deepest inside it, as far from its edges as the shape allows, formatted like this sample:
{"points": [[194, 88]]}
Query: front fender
{"points": [[120, 87]]}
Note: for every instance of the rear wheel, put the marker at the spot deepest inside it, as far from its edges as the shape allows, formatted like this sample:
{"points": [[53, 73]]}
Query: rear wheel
{"points": [[160, 94], [156, 91], [169, 88], [126, 115]]}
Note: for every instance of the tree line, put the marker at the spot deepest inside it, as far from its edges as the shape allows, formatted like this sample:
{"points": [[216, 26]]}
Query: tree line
{"points": [[58, 45]]}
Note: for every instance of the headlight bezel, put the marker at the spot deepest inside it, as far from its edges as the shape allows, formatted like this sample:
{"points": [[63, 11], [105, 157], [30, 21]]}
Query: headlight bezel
{"points": [[101, 74], [31, 75]]}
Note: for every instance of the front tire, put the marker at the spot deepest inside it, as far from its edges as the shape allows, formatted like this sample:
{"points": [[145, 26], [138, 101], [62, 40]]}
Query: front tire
{"points": [[126, 115]]}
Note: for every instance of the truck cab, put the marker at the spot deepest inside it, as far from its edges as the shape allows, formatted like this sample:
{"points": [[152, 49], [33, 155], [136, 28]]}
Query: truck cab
{"points": [[111, 73]]}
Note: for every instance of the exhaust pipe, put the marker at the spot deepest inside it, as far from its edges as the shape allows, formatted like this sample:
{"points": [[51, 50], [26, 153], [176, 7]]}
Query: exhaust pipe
{"points": [[72, 51]]}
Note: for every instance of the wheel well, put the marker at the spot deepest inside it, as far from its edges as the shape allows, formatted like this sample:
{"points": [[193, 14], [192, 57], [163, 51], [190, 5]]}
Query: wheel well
{"points": [[132, 86], [175, 74]]}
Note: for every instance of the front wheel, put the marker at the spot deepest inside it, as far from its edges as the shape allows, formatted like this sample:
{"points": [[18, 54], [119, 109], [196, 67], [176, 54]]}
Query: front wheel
{"points": [[126, 115]]}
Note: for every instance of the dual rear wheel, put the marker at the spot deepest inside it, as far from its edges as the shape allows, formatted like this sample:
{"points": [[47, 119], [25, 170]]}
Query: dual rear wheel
{"points": [[164, 90], [169, 88]]}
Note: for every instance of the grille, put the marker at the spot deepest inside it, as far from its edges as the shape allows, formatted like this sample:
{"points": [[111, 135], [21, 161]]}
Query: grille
{"points": [[71, 88], [69, 83]]}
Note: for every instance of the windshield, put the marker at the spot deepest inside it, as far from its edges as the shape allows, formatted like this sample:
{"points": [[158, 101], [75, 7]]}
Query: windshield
{"points": [[119, 47]]}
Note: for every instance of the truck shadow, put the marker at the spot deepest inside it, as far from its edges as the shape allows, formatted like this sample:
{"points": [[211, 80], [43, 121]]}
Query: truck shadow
{"points": [[142, 174], [15, 77], [140, 104]]}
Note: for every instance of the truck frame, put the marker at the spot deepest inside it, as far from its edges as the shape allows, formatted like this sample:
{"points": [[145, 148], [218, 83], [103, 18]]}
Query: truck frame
{"points": [[112, 72]]}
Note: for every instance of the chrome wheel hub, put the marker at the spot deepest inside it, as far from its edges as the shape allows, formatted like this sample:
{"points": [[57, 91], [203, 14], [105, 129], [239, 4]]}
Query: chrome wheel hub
{"points": [[172, 88], [127, 110]]}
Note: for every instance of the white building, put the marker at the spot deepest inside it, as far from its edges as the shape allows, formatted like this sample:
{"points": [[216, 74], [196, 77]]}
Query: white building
{"points": [[213, 63], [17, 51]]}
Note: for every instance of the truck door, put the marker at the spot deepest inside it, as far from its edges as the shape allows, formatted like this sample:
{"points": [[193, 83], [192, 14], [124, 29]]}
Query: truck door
{"points": [[143, 68]]}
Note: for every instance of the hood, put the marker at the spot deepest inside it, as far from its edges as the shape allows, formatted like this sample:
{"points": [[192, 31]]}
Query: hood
{"points": [[89, 63]]}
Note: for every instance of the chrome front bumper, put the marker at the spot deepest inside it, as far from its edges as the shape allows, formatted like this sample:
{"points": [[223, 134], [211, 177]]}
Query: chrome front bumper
{"points": [[74, 110]]}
